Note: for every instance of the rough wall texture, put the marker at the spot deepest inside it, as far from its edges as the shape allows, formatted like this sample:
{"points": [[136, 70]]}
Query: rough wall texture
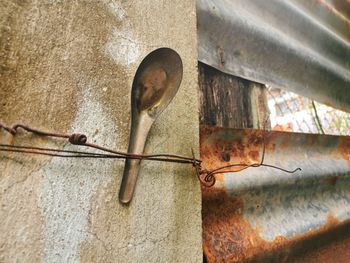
{"points": [[68, 66]]}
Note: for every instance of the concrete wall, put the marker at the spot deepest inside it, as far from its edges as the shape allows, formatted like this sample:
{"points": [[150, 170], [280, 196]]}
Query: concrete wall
{"points": [[68, 66]]}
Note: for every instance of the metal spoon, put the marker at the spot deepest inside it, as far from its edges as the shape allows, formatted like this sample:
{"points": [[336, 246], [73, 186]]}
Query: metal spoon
{"points": [[155, 84]]}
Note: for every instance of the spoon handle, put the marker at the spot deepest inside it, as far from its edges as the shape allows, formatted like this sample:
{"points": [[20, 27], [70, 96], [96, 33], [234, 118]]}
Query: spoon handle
{"points": [[139, 133]]}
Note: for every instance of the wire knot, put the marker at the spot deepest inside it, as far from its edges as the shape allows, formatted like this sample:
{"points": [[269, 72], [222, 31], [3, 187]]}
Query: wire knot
{"points": [[209, 178], [77, 139]]}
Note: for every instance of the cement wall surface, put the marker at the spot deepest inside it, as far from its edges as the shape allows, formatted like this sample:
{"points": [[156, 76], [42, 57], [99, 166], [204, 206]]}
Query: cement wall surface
{"points": [[68, 66]]}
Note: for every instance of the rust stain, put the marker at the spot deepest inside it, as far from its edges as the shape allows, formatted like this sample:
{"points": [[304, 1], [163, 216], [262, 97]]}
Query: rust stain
{"points": [[338, 8], [253, 155], [331, 180], [227, 236], [231, 149], [225, 156], [338, 251], [345, 149], [227, 150]]}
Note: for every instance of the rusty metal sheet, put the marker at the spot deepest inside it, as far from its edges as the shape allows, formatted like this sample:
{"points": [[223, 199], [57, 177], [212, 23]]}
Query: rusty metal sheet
{"points": [[265, 215], [299, 45]]}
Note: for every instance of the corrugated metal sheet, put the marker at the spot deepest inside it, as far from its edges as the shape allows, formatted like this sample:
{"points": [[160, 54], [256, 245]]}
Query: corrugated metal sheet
{"points": [[300, 45], [266, 215]]}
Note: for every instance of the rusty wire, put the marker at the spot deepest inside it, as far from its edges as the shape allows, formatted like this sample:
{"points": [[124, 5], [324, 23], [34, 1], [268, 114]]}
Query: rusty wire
{"points": [[206, 177], [209, 177]]}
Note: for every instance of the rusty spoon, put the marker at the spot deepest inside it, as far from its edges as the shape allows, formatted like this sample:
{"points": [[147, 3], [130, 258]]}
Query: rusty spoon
{"points": [[155, 84]]}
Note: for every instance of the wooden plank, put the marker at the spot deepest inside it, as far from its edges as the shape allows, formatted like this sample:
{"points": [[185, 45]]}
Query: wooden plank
{"points": [[229, 101]]}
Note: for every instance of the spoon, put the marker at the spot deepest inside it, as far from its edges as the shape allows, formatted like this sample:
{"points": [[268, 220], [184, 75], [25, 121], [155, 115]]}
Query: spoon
{"points": [[155, 84]]}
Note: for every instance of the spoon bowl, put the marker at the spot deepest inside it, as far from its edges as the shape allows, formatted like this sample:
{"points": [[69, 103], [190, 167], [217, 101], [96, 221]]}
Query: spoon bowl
{"points": [[155, 84]]}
